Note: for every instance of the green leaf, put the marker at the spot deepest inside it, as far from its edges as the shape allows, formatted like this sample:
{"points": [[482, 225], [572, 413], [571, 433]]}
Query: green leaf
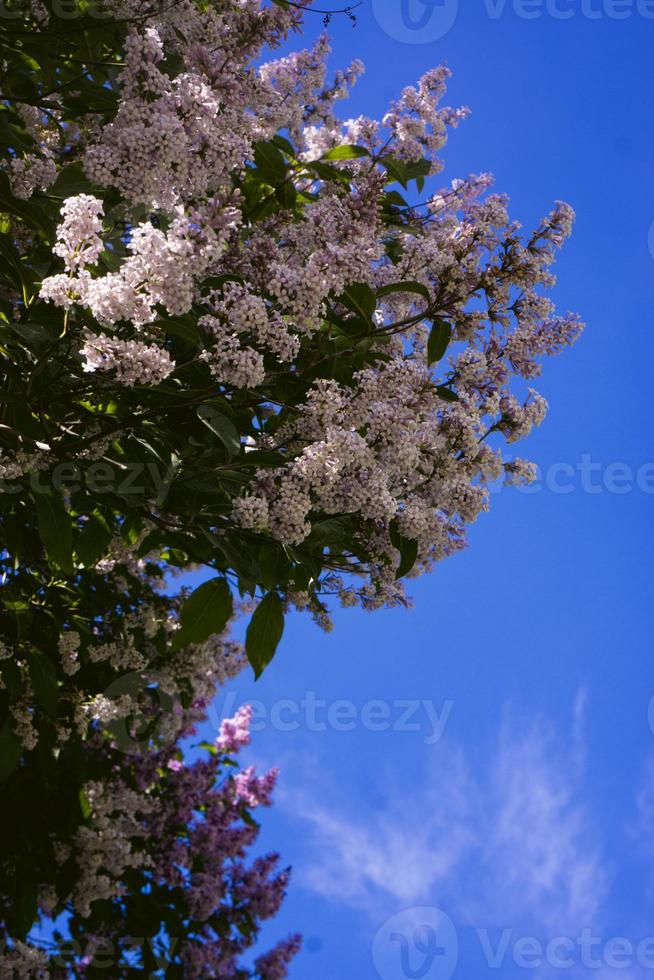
{"points": [[12, 679], [44, 681], [25, 910], [270, 163], [205, 612], [284, 145], [345, 152], [331, 532], [286, 194], [327, 172], [84, 804], [264, 632], [14, 269], [222, 428], [273, 565], [397, 169], [56, 530], [404, 287], [408, 549], [131, 528], [418, 170], [360, 298], [34, 335], [446, 394], [395, 199], [94, 98], [94, 540], [72, 180], [110, 260], [184, 329], [32, 212], [439, 340], [10, 750]]}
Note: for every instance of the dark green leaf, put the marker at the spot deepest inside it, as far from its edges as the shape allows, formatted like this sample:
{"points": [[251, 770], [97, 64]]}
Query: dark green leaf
{"points": [[395, 199], [12, 679], [446, 394], [360, 298], [404, 287], [327, 172], [72, 180], [397, 169], [284, 144], [270, 163], [273, 565], [222, 427], [34, 335], [408, 549], [10, 750], [93, 541], [184, 329], [206, 612], [130, 529], [20, 275], [44, 681], [264, 632], [55, 529], [286, 194], [439, 340], [334, 531]]}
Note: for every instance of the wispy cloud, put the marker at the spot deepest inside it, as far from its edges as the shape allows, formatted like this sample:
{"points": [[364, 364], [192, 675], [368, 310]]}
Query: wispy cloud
{"points": [[403, 848], [540, 858], [504, 837]]}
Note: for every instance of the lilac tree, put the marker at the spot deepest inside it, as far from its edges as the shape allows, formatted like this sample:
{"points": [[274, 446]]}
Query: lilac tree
{"points": [[237, 331]]}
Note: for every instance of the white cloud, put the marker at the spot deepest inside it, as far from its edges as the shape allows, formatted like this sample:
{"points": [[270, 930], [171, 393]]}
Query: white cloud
{"points": [[403, 849], [501, 838], [539, 859]]}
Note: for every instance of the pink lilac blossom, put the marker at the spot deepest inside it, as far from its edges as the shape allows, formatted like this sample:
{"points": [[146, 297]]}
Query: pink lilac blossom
{"points": [[139, 827], [235, 732]]}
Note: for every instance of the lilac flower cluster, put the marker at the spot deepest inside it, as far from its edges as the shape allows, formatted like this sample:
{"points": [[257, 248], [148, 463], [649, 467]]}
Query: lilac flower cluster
{"points": [[387, 448]]}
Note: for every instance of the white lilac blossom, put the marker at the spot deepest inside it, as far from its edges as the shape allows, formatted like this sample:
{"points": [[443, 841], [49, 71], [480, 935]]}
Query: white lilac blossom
{"points": [[78, 236], [405, 444], [29, 172], [69, 644], [131, 361], [388, 446]]}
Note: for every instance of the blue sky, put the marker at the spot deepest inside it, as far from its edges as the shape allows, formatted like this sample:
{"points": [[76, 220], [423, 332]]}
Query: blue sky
{"points": [[519, 804]]}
